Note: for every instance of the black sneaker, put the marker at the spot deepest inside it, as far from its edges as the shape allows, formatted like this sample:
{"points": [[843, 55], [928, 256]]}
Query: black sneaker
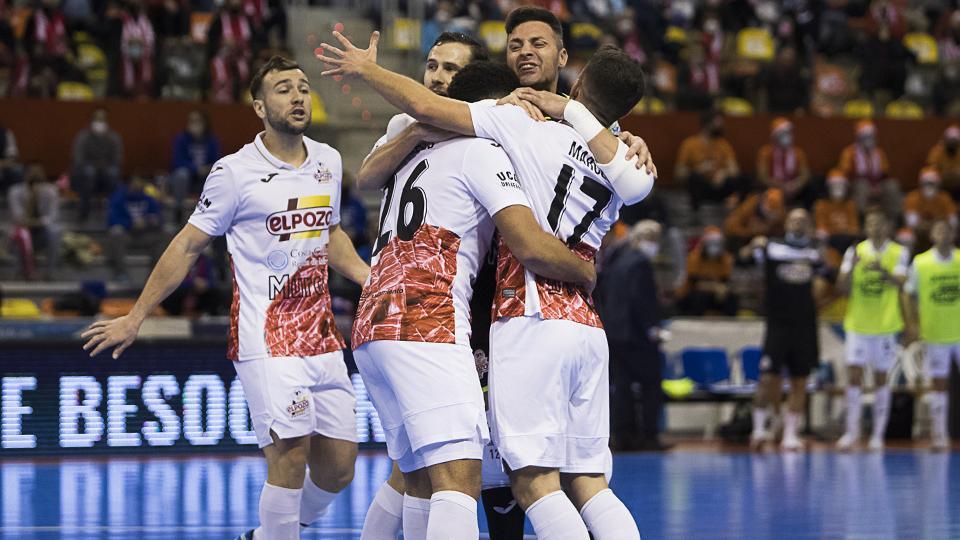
{"points": [[247, 535]]}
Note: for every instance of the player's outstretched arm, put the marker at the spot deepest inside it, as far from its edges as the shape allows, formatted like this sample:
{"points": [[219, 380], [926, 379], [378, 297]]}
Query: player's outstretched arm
{"points": [[631, 183], [540, 252], [380, 165], [166, 276], [344, 259], [402, 92]]}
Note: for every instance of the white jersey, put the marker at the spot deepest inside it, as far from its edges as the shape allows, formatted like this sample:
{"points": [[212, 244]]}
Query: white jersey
{"points": [[276, 218], [571, 198], [398, 123], [435, 230]]}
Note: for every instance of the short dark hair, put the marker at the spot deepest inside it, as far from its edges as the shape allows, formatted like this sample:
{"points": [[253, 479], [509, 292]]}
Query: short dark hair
{"points": [[524, 14], [614, 83], [275, 63], [478, 52], [482, 80], [708, 116]]}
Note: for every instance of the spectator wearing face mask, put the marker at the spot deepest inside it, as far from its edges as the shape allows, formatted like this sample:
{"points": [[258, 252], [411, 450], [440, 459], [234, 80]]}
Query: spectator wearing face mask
{"points": [[783, 165], [707, 164], [867, 166], [945, 157], [133, 214], [195, 150], [707, 290], [97, 155], [836, 217], [630, 309], [760, 215], [35, 209], [927, 204]]}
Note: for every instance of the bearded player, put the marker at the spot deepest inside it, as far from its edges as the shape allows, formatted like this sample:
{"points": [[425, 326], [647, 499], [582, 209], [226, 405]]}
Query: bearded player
{"points": [[277, 201]]}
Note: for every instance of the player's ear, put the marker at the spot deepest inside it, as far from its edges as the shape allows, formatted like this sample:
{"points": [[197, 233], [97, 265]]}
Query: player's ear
{"points": [[575, 89], [563, 58], [260, 108]]}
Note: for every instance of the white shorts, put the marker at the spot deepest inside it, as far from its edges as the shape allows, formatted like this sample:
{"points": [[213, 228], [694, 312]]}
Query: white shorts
{"points": [[296, 396], [429, 400], [876, 351], [937, 360], [492, 473], [550, 394]]}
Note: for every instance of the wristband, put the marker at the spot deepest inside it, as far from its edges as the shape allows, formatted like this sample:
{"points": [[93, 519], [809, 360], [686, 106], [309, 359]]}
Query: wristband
{"points": [[582, 120]]}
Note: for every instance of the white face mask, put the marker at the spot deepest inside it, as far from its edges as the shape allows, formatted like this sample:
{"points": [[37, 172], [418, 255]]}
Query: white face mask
{"points": [[99, 127], [929, 191], [838, 192], [713, 250], [650, 249], [785, 139]]}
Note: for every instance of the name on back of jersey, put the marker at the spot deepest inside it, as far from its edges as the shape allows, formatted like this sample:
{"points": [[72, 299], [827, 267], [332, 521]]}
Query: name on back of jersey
{"points": [[583, 155]]}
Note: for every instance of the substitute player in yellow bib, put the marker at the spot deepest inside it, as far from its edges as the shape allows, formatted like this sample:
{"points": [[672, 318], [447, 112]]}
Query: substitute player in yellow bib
{"points": [[932, 297], [872, 272]]}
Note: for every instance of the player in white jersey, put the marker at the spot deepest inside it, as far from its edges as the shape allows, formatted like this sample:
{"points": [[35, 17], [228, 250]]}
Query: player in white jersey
{"points": [[277, 201], [412, 332], [576, 179]]}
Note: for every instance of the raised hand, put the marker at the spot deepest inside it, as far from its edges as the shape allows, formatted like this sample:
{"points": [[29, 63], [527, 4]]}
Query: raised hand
{"points": [[349, 61], [531, 109], [638, 147], [551, 104]]}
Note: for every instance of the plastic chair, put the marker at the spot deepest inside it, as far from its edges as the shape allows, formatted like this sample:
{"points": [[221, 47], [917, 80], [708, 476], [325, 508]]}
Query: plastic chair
{"points": [[750, 362], [706, 366]]}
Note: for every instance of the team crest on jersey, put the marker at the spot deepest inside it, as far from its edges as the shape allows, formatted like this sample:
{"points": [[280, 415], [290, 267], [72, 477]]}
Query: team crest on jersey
{"points": [[323, 174], [299, 405], [305, 217]]}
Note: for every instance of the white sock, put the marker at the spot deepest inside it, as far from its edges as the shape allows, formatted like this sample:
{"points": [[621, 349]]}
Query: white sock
{"points": [[790, 425], [760, 421], [384, 519], [416, 512], [607, 518], [853, 411], [314, 502], [554, 517], [452, 515], [279, 513], [881, 411], [938, 414]]}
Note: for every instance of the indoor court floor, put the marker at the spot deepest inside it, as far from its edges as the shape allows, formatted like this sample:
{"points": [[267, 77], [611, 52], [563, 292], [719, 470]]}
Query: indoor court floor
{"points": [[689, 493]]}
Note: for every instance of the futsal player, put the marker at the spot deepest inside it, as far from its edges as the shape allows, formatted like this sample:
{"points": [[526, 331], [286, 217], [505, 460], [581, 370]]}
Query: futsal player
{"points": [[411, 335], [792, 266], [872, 273], [576, 179], [450, 52], [277, 201], [933, 300]]}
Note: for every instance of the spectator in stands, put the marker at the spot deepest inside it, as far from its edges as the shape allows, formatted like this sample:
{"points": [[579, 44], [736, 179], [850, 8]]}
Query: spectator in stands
{"points": [[265, 16], [229, 52], [836, 217], [884, 62], [353, 218], [707, 290], [760, 215], [49, 52], [132, 214], [10, 169], [630, 309], [945, 157], [195, 150], [867, 166], [927, 204], [97, 156], [783, 165], [170, 18], [198, 293], [707, 164], [132, 43], [35, 210], [698, 80], [786, 85]]}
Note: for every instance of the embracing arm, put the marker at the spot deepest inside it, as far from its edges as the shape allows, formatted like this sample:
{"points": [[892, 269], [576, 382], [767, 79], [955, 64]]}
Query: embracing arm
{"points": [[540, 252], [382, 162], [343, 258], [164, 279]]}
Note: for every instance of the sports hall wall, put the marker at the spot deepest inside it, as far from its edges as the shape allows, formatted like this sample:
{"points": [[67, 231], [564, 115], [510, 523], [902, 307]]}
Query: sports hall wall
{"points": [[45, 131]]}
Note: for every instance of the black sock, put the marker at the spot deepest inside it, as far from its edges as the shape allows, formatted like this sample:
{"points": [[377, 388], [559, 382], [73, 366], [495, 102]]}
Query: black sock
{"points": [[504, 516]]}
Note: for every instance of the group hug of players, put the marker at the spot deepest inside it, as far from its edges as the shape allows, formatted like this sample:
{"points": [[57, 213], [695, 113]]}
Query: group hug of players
{"points": [[487, 164]]}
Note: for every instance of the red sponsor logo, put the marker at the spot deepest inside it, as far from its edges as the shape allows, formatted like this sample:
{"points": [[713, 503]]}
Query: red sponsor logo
{"points": [[299, 220]]}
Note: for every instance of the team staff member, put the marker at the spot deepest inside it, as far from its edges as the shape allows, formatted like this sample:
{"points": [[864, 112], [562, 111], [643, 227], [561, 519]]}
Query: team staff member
{"points": [[793, 267], [872, 272], [277, 201], [933, 303]]}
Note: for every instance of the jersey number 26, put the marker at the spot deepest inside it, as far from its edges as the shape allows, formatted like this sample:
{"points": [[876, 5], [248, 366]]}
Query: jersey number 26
{"points": [[409, 195]]}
